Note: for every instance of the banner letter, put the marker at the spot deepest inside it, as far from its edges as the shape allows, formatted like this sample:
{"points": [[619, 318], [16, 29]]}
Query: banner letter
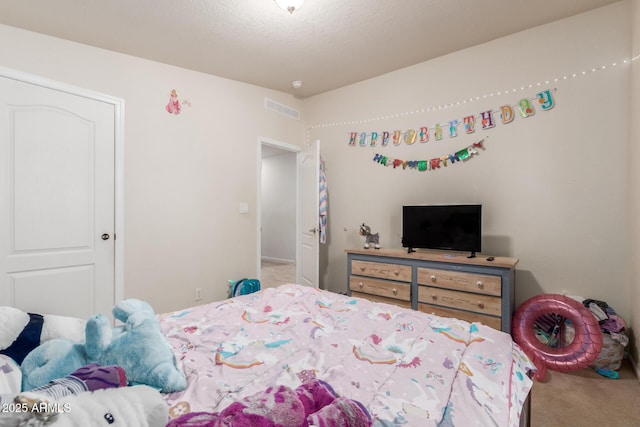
{"points": [[525, 108], [363, 139], [453, 128], [545, 100], [463, 154], [438, 135], [410, 136], [396, 137], [374, 139], [506, 113], [424, 134], [469, 124], [385, 138], [487, 119]]}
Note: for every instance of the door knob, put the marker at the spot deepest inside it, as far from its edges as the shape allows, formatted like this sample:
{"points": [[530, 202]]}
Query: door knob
{"points": [[313, 230], [105, 236]]}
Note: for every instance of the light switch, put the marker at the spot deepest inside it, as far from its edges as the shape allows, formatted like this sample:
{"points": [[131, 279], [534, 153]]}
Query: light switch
{"points": [[244, 208]]}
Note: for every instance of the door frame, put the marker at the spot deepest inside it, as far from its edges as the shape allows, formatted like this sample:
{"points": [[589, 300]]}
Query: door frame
{"points": [[118, 105], [285, 147]]}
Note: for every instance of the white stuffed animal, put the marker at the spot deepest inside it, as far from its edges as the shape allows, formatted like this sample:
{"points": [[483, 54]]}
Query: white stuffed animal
{"points": [[136, 406], [21, 332]]}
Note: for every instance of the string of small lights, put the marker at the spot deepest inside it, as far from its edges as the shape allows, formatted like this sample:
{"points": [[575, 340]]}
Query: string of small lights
{"points": [[464, 101]]}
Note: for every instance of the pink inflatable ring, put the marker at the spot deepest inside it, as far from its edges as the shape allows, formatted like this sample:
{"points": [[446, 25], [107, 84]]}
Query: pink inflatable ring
{"points": [[578, 354]]}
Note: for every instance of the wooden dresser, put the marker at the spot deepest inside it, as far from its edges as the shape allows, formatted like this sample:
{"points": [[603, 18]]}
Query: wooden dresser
{"points": [[442, 283]]}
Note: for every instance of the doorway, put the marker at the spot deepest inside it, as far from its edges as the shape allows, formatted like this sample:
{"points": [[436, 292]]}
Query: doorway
{"points": [[278, 256]]}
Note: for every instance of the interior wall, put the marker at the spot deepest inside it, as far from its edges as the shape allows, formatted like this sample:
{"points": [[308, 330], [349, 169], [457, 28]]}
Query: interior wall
{"points": [[554, 186], [634, 197], [278, 192], [185, 175]]}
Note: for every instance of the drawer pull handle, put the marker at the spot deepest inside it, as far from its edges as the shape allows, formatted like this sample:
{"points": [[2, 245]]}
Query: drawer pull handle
{"points": [[360, 285], [397, 273], [480, 305], [363, 268], [480, 284], [433, 278], [395, 291], [434, 297]]}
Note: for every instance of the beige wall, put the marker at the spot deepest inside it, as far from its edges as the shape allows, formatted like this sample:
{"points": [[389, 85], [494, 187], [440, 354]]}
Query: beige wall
{"points": [[185, 175], [634, 197], [554, 186]]}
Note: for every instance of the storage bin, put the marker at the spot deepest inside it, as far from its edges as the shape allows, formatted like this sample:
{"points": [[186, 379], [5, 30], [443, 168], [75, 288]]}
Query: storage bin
{"points": [[611, 355]]}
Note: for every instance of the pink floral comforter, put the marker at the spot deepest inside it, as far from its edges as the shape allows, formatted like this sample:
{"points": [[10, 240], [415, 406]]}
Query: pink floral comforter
{"points": [[406, 367]]}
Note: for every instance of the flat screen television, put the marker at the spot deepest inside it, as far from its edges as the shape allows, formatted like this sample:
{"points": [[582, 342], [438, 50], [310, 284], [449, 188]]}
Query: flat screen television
{"points": [[445, 227]]}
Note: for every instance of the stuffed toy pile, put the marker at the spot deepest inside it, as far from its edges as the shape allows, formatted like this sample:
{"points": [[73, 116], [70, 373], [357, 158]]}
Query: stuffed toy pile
{"points": [[137, 346], [63, 372], [312, 404]]}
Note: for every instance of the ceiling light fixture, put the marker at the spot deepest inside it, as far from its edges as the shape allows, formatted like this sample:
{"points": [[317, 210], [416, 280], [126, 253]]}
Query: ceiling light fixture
{"points": [[296, 84], [289, 5]]}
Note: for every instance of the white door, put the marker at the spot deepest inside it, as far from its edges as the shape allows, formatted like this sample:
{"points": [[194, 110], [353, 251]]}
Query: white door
{"points": [[57, 201], [309, 233]]}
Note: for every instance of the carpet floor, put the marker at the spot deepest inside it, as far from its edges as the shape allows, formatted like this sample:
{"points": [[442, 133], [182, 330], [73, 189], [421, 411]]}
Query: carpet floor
{"points": [[585, 398], [276, 273]]}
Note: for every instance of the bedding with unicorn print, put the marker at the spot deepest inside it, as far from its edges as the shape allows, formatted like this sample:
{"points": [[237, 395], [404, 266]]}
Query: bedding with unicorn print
{"points": [[403, 366]]}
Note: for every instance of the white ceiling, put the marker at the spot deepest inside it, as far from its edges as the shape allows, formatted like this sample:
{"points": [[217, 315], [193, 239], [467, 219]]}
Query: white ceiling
{"points": [[326, 44]]}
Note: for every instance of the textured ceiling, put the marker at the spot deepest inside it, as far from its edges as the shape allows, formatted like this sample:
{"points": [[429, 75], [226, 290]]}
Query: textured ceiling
{"points": [[326, 44]]}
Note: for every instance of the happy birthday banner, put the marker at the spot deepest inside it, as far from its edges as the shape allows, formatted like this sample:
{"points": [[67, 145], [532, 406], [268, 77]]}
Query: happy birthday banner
{"points": [[434, 163], [423, 134]]}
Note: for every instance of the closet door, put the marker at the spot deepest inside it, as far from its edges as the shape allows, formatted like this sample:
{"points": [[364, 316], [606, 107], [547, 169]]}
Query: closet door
{"points": [[57, 201]]}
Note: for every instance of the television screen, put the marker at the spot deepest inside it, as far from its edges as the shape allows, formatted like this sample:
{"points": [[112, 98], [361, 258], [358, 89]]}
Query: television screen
{"points": [[447, 227]]}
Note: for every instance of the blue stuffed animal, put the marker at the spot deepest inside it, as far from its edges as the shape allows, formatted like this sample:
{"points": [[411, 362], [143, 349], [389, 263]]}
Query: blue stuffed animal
{"points": [[137, 346]]}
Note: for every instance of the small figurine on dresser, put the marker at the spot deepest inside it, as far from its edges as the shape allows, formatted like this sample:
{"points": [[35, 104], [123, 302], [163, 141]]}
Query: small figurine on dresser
{"points": [[370, 238]]}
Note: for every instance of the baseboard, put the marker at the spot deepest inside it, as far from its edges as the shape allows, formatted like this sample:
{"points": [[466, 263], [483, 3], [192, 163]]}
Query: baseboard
{"points": [[278, 260], [635, 367]]}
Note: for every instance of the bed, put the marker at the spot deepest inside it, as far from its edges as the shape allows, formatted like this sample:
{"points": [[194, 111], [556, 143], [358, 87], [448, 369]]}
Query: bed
{"points": [[405, 367]]}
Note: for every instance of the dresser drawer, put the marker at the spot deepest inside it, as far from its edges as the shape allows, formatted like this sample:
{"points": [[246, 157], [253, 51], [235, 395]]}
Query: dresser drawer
{"points": [[461, 281], [493, 322], [381, 270], [477, 303], [445, 284], [395, 290], [376, 298]]}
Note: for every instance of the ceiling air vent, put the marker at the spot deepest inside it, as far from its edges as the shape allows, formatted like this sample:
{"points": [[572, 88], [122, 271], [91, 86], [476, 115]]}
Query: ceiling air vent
{"points": [[272, 105]]}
